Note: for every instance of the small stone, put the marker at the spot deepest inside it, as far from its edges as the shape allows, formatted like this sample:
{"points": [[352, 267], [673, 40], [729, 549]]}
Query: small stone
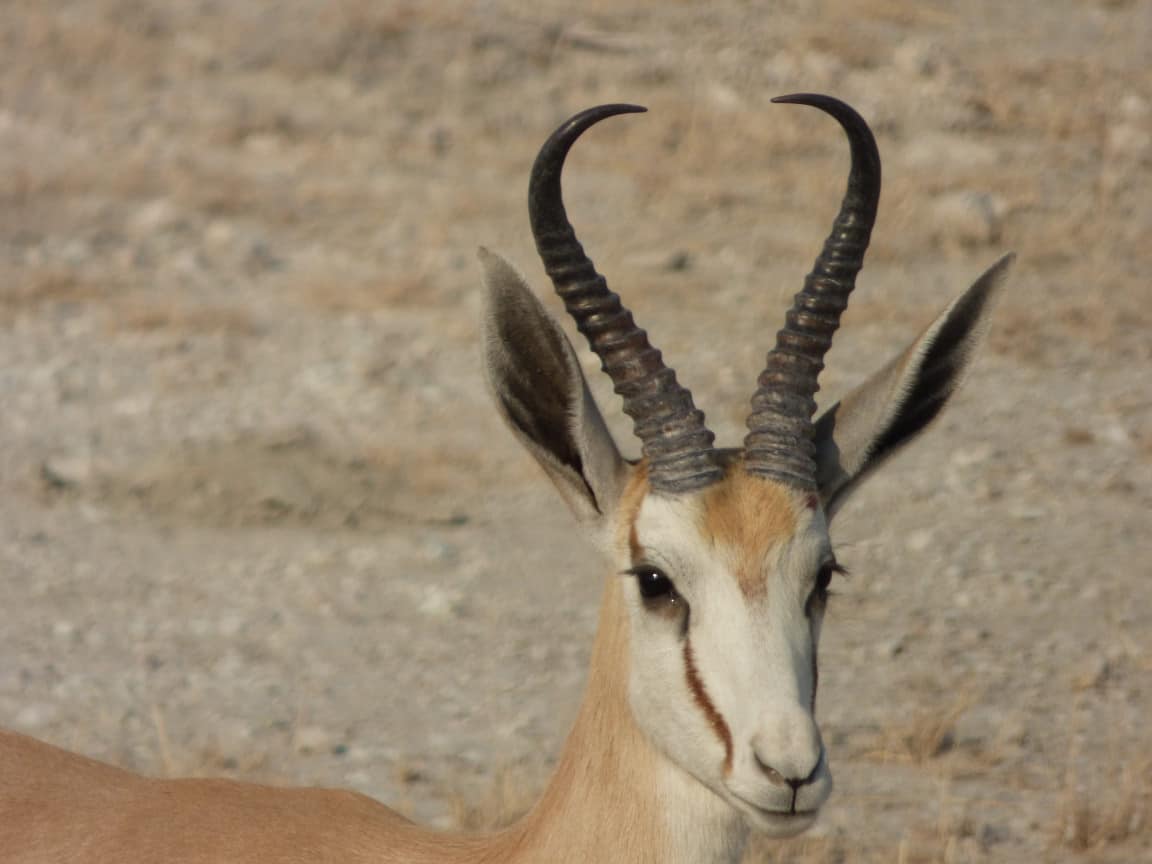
{"points": [[1116, 654], [1090, 592], [892, 647], [312, 739], [132, 406], [1027, 513], [412, 774], [1115, 433], [230, 623], [1092, 674], [34, 715], [220, 233], [725, 97], [918, 541], [1026, 576], [962, 457], [362, 557], [968, 218], [1128, 139], [63, 629], [933, 149], [441, 550], [437, 602], [921, 58], [1078, 436], [993, 835], [157, 215], [66, 472]]}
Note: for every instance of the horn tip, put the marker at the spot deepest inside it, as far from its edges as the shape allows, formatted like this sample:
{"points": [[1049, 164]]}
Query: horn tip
{"points": [[613, 108], [829, 104], [800, 98]]}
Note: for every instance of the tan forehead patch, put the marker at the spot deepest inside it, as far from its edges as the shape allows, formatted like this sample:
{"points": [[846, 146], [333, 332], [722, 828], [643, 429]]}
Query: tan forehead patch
{"points": [[748, 515]]}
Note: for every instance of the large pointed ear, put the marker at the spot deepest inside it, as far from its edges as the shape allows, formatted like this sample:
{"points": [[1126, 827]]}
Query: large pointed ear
{"points": [[542, 394], [893, 406]]}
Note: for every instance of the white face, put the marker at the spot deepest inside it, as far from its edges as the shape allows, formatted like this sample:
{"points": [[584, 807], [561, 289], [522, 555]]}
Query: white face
{"points": [[723, 660]]}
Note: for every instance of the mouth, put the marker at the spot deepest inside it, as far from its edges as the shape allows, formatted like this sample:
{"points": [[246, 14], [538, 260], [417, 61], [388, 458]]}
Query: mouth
{"points": [[777, 823]]}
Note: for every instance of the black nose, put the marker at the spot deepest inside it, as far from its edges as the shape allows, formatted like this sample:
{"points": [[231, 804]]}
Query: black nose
{"points": [[780, 779]]}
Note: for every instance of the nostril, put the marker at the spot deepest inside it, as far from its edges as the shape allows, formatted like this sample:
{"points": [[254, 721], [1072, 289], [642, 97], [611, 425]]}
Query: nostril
{"points": [[780, 779], [772, 774]]}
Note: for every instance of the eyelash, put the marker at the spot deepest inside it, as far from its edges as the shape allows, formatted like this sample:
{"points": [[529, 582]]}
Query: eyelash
{"points": [[820, 591]]}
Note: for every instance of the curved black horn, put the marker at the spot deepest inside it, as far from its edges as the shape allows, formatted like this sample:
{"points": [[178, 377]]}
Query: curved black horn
{"points": [[779, 444], [676, 442]]}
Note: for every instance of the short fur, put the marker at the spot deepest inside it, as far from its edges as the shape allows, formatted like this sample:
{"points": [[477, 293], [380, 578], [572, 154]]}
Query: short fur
{"points": [[745, 517], [687, 729]]}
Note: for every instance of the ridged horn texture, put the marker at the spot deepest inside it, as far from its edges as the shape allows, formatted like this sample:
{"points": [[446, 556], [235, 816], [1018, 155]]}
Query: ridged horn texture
{"points": [[780, 443], [676, 443]]}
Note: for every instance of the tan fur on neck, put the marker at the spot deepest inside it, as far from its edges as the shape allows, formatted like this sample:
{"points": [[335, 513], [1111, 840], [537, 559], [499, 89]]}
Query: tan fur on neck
{"points": [[603, 798], [612, 796]]}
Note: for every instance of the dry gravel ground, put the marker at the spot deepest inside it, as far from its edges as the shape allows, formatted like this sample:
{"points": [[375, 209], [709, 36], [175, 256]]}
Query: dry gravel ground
{"points": [[258, 518]]}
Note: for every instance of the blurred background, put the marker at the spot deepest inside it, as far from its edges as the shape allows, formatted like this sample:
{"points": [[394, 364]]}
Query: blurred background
{"points": [[258, 518]]}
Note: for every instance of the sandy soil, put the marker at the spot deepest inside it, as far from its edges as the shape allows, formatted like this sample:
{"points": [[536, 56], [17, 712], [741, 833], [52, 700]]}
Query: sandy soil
{"points": [[258, 518]]}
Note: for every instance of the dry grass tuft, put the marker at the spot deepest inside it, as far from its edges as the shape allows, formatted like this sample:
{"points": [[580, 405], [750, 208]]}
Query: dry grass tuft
{"points": [[357, 294], [510, 795], [253, 767], [927, 735], [802, 850], [1106, 813], [35, 288], [183, 319], [914, 848]]}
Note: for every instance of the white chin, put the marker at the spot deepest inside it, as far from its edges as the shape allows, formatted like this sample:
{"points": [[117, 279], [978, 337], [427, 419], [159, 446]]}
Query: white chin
{"points": [[778, 824]]}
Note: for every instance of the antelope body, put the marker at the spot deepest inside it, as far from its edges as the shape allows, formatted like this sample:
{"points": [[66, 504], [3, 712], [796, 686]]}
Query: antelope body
{"points": [[698, 720]]}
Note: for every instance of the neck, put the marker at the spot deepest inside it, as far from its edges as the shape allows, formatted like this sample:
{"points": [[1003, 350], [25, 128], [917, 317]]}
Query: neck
{"points": [[614, 797]]}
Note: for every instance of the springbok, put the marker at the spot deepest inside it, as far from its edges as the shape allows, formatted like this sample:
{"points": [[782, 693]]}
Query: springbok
{"points": [[697, 724]]}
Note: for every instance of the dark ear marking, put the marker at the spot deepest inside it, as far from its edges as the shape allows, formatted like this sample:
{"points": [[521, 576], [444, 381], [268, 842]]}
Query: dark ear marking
{"points": [[897, 403], [541, 392], [535, 407]]}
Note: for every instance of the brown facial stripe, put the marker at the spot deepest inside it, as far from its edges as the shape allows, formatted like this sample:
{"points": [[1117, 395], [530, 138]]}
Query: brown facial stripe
{"points": [[715, 718]]}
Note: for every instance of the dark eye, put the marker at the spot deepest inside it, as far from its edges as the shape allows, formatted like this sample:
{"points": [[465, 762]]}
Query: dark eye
{"points": [[652, 582], [824, 578], [819, 595]]}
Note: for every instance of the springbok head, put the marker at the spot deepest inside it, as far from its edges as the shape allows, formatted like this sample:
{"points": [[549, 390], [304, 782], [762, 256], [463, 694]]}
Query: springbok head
{"points": [[726, 552]]}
